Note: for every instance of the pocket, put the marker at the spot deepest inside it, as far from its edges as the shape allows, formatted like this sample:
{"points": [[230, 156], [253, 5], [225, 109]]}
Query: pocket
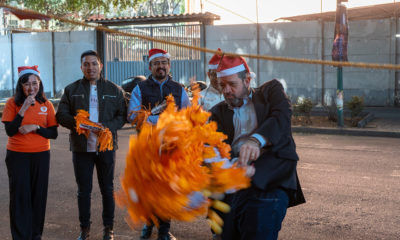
{"points": [[109, 100], [105, 97]]}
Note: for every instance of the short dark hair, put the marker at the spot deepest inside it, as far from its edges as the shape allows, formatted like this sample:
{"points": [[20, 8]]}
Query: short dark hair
{"points": [[90, 53], [243, 74], [19, 96]]}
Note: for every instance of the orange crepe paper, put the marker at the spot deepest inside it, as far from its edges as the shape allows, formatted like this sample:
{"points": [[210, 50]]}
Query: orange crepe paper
{"points": [[104, 137], [165, 164]]}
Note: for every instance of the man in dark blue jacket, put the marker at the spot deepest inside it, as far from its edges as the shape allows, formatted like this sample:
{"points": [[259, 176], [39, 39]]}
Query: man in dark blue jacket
{"points": [[149, 94], [258, 125]]}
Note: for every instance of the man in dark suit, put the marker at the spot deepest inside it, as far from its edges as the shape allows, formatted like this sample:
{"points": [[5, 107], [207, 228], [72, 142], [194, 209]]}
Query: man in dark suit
{"points": [[258, 125]]}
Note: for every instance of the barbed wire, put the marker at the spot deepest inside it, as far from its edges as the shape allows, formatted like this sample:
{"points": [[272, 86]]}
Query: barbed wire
{"points": [[206, 50]]}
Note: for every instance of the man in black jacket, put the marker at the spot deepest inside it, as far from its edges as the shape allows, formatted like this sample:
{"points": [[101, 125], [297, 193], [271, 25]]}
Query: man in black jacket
{"points": [[258, 125], [106, 105]]}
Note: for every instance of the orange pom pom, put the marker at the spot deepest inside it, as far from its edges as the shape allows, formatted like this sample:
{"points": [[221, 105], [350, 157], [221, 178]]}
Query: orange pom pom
{"points": [[165, 163]]}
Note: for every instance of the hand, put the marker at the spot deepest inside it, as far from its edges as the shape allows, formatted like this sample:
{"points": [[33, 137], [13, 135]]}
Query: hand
{"points": [[250, 170], [249, 152], [25, 129], [29, 101], [97, 131]]}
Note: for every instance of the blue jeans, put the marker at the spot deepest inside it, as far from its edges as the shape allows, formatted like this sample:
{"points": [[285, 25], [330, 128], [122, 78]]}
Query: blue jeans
{"points": [[84, 163], [255, 215]]}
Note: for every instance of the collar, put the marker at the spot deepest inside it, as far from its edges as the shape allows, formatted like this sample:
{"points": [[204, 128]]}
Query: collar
{"points": [[158, 82]]}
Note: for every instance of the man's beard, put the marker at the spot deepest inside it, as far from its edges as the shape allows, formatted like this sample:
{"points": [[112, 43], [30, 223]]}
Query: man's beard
{"points": [[160, 75], [237, 101]]}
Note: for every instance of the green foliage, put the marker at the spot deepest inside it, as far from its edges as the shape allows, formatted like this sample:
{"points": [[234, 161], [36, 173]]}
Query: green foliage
{"points": [[303, 107], [355, 105], [82, 9], [77, 9], [61, 7], [160, 7]]}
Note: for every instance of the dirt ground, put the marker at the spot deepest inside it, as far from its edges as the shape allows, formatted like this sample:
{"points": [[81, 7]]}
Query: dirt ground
{"points": [[351, 185], [319, 121]]}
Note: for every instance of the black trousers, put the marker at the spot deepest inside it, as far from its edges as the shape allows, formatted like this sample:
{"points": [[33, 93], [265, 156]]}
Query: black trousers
{"points": [[84, 163], [28, 175]]}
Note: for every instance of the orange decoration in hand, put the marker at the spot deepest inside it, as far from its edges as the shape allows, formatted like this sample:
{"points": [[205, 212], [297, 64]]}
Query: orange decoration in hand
{"points": [[84, 125], [166, 164]]}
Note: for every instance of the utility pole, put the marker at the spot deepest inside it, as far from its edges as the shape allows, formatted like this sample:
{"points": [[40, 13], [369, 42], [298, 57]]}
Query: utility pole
{"points": [[339, 53]]}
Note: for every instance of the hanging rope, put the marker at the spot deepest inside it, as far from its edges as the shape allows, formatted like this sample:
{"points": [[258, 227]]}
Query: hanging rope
{"points": [[206, 50]]}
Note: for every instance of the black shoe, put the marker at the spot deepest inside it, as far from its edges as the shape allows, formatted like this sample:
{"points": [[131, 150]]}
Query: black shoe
{"points": [[146, 232], [167, 236], [84, 233], [216, 237], [108, 233]]}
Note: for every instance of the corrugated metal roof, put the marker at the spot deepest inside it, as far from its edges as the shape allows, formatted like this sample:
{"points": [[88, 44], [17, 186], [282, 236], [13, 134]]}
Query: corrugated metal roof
{"points": [[206, 18], [379, 11]]}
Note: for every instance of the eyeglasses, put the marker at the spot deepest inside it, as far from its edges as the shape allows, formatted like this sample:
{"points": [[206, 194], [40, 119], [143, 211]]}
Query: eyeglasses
{"points": [[158, 63], [30, 84]]}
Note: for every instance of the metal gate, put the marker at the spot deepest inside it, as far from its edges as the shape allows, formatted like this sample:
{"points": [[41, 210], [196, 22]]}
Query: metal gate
{"points": [[127, 56]]}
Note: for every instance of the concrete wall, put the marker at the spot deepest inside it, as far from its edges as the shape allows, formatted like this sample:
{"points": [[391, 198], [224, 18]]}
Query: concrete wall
{"points": [[37, 52], [68, 49], [37, 49], [5, 66], [371, 41]]}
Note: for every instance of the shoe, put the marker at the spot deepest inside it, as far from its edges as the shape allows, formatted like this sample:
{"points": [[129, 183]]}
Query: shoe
{"points": [[146, 232], [167, 236], [216, 237], [108, 233], [84, 233]]}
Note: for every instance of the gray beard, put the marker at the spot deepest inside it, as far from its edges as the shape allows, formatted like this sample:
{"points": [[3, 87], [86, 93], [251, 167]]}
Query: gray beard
{"points": [[238, 102]]}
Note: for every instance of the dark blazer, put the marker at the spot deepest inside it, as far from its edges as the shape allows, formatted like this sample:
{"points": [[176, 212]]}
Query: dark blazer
{"points": [[276, 166]]}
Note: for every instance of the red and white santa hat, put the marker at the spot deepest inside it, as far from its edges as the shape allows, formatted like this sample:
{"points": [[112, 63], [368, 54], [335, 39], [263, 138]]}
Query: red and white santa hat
{"points": [[214, 61], [230, 65], [156, 52], [28, 69]]}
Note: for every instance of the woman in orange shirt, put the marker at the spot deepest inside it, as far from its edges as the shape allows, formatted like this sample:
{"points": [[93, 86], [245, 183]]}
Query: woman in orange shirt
{"points": [[30, 122]]}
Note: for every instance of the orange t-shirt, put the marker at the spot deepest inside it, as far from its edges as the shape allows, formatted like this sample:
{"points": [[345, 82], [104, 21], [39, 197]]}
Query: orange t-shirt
{"points": [[42, 114]]}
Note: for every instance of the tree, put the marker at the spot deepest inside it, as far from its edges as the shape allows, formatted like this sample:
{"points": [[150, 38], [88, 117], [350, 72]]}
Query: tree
{"points": [[77, 9], [83, 9], [160, 7]]}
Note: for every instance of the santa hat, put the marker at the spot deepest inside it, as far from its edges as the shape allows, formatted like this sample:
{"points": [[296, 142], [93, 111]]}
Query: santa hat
{"points": [[156, 52], [27, 69], [214, 61], [230, 65]]}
